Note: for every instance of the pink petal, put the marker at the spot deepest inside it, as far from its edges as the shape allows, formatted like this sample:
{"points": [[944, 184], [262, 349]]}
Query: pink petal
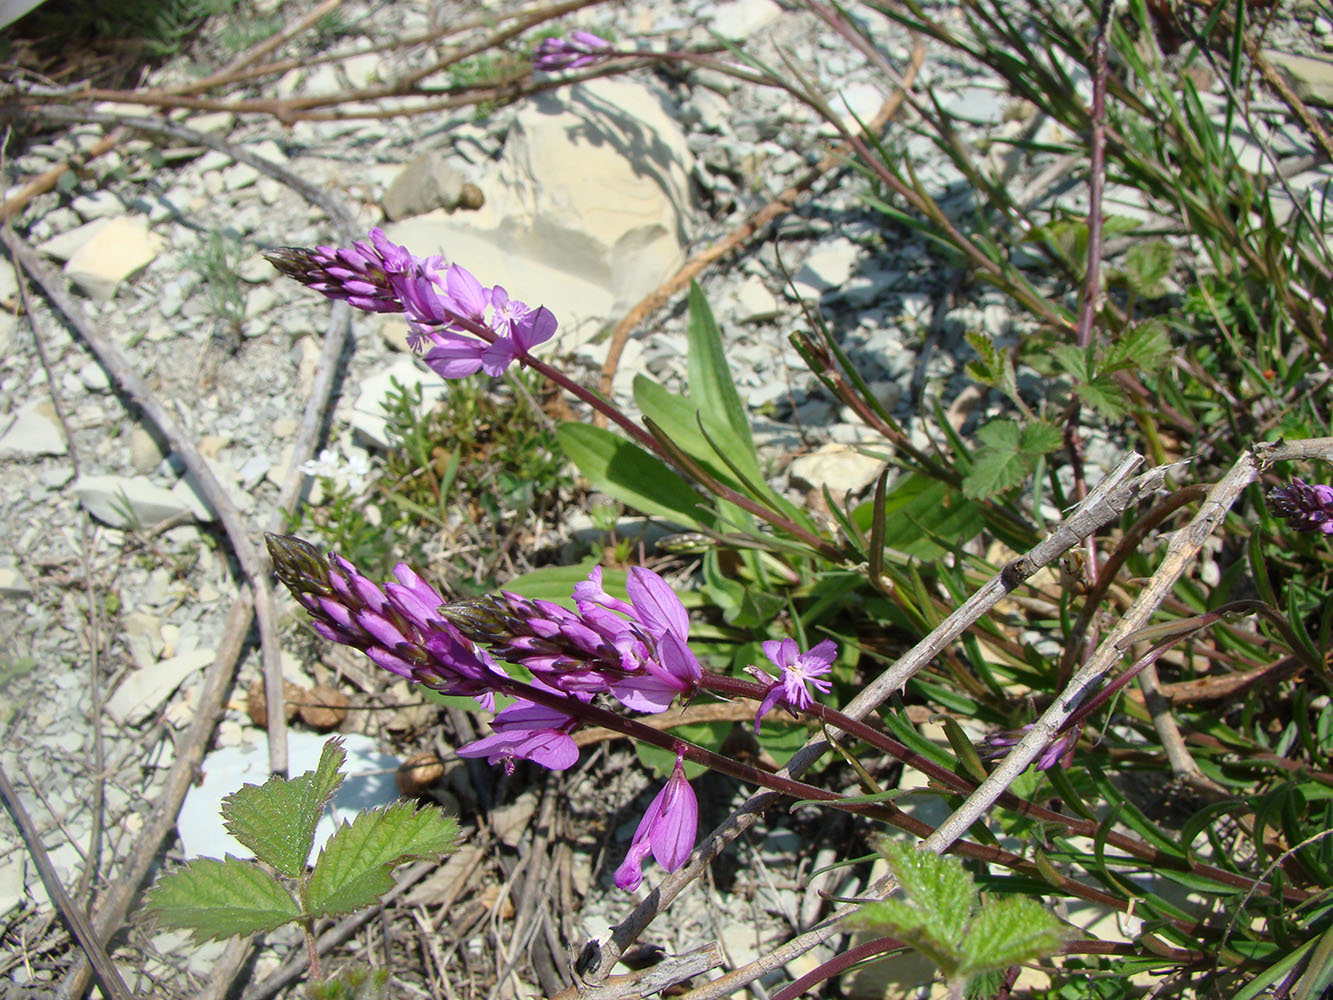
{"points": [[656, 604]]}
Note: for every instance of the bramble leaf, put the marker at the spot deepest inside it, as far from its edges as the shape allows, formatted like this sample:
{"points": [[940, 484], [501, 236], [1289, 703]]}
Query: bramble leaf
{"points": [[1008, 932], [1147, 266], [354, 867], [277, 819], [1006, 456], [220, 899]]}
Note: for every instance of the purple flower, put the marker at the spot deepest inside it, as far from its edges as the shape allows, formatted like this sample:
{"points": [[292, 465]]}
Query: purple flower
{"points": [[796, 669], [581, 48], [667, 829], [1059, 751], [399, 627], [462, 326], [529, 732], [1305, 507]]}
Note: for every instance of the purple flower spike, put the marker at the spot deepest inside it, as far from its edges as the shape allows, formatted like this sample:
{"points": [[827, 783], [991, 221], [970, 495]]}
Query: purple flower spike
{"points": [[462, 326], [1304, 507], [667, 829], [797, 669], [581, 48], [637, 651], [399, 627]]}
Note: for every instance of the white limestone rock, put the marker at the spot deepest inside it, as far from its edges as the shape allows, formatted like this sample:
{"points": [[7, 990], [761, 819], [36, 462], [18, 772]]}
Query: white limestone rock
{"points": [[836, 466], [128, 501], [368, 416], [428, 181], [143, 692], [32, 431], [586, 213], [115, 252]]}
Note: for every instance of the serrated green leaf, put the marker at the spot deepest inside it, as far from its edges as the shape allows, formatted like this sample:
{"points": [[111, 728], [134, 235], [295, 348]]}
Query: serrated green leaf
{"points": [[1073, 360], [220, 899], [711, 385], [1040, 438], [1148, 265], [354, 868], [1144, 347], [277, 819], [1007, 932], [938, 886], [1104, 396], [1000, 463], [623, 470]]}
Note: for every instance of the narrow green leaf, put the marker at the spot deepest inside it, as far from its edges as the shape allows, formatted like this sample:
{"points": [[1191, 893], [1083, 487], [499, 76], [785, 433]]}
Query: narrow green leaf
{"points": [[277, 819], [962, 746], [711, 385], [354, 867], [1007, 932], [220, 899], [623, 470], [679, 419], [923, 517]]}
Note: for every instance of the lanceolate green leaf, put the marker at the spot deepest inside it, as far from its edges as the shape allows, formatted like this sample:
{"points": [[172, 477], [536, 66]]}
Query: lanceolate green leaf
{"points": [[220, 899], [711, 386], [625, 471], [679, 419], [354, 867], [277, 820]]}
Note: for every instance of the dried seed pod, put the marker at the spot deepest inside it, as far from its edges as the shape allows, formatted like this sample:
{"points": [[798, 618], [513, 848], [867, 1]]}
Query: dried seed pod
{"points": [[419, 773], [323, 708], [257, 707]]}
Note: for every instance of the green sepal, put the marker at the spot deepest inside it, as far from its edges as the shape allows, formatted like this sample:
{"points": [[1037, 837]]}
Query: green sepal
{"points": [[277, 819], [215, 899]]}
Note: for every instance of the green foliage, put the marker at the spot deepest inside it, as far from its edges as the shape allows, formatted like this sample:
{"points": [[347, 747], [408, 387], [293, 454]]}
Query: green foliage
{"points": [[355, 867], [220, 899], [944, 918], [217, 261], [1006, 456], [466, 465], [356, 982]]}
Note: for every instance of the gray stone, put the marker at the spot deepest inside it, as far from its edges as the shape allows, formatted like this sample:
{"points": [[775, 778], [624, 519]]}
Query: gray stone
{"points": [[428, 181], [32, 431], [98, 205], [128, 501], [142, 692], [1311, 77], [13, 583]]}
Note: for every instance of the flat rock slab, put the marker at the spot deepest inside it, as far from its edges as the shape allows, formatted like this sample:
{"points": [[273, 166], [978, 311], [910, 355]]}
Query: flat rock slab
{"points": [[115, 252]]}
